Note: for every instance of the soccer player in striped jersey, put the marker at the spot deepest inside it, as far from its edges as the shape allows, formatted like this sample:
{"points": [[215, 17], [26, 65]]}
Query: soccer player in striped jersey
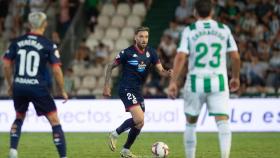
{"points": [[206, 43]]}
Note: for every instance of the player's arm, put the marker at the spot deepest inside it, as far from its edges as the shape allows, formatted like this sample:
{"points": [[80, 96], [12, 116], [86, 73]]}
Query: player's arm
{"points": [[8, 72], [108, 74], [162, 71], [58, 75], [235, 60], [179, 63]]}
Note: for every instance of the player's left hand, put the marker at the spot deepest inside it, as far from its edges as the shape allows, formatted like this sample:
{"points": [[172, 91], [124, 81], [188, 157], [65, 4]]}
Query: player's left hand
{"points": [[172, 90], [107, 91], [234, 84]]}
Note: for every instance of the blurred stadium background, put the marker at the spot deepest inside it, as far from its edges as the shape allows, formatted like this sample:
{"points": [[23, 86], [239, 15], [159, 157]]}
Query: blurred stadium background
{"points": [[90, 33]]}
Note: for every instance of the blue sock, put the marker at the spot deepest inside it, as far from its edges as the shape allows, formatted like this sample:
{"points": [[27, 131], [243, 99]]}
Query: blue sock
{"points": [[129, 123], [59, 140], [133, 133], [15, 133]]}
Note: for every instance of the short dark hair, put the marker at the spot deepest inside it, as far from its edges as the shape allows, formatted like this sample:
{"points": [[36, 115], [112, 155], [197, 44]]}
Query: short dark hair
{"points": [[203, 7], [142, 28]]}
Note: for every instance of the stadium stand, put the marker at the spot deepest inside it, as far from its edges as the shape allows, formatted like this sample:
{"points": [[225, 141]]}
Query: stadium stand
{"points": [[109, 27]]}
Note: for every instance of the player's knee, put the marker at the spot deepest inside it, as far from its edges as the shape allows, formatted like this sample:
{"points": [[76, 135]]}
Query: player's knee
{"points": [[53, 119], [20, 116], [139, 123]]}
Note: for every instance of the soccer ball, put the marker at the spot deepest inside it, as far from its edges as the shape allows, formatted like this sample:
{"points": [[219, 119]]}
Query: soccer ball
{"points": [[160, 150]]}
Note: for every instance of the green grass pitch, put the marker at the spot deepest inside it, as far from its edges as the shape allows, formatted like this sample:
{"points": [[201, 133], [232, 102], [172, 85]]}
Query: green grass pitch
{"points": [[94, 145]]}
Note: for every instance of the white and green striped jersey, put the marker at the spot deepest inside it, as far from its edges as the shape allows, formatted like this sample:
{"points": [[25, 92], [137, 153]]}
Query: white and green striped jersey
{"points": [[207, 43]]}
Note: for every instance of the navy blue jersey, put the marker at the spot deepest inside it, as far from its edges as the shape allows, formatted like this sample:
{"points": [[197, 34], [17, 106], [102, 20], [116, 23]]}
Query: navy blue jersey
{"points": [[31, 55], [136, 64]]}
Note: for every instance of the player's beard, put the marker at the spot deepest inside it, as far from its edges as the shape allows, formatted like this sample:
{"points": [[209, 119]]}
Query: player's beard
{"points": [[142, 45]]}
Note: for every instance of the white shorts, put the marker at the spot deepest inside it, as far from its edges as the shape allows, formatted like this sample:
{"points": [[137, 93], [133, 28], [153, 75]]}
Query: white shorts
{"points": [[216, 102]]}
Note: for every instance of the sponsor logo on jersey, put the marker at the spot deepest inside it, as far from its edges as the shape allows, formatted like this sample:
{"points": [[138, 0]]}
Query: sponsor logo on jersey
{"points": [[148, 54], [141, 67], [133, 62], [29, 81]]}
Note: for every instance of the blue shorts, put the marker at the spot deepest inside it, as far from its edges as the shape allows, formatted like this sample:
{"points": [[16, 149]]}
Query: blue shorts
{"points": [[43, 105], [131, 97]]}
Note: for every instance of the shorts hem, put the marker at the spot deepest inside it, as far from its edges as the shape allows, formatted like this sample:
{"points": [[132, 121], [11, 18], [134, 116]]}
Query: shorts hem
{"points": [[218, 114], [47, 113], [188, 114], [130, 106]]}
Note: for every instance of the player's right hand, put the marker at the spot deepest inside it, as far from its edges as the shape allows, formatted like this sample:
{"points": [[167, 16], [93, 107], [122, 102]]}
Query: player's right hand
{"points": [[234, 84], [107, 91], [65, 96], [172, 90]]}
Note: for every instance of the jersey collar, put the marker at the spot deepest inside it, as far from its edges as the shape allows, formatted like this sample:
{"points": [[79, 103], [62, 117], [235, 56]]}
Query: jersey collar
{"points": [[33, 33], [138, 50]]}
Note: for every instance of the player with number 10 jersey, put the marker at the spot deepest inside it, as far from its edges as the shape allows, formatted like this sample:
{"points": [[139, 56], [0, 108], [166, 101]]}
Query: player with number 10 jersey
{"points": [[31, 54]]}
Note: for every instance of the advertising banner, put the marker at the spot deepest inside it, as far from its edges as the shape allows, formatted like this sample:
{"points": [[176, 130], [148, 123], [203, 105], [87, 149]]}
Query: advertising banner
{"points": [[162, 115]]}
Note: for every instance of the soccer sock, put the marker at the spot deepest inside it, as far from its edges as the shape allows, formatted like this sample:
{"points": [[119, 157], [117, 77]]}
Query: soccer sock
{"points": [[129, 123], [15, 133], [133, 133], [59, 140], [190, 140], [224, 138]]}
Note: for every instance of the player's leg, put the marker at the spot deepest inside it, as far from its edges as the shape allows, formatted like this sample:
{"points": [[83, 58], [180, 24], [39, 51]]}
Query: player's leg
{"points": [[190, 139], [46, 106], [138, 119], [113, 136], [21, 106], [224, 135], [58, 134], [218, 107], [129, 100], [192, 104], [15, 134]]}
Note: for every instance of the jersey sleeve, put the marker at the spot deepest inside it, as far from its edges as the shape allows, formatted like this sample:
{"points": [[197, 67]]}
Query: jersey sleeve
{"points": [[231, 44], [11, 53], [121, 57], [54, 56], [184, 43], [155, 59]]}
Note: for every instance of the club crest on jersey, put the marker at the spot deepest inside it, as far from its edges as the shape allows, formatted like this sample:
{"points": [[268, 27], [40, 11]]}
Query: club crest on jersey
{"points": [[135, 55], [148, 54], [56, 53], [141, 67]]}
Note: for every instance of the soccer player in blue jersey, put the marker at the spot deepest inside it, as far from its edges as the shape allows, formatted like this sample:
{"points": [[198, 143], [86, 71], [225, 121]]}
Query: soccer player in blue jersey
{"points": [[136, 61], [26, 60]]}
